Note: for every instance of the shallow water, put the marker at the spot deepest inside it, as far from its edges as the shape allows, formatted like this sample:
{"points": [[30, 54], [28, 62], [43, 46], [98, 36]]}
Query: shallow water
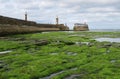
{"points": [[108, 39], [113, 61], [4, 52], [53, 53], [82, 43], [54, 74], [71, 53], [104, 30]]}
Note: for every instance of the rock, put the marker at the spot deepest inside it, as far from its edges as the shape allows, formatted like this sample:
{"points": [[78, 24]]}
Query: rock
{"points": [[117, 45], [2, 64], [78, 43], [4, 38], [40, 42], [67, 42], [18, 39], [53, 53], [74, 76], [113, 61], [90, 44], [88, 55], [71, 53], [106, 45], [84, 43]]}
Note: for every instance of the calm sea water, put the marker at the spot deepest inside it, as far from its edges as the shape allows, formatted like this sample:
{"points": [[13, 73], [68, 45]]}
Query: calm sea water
{"points": [[105, 30], [108, 39], [98, 30]]}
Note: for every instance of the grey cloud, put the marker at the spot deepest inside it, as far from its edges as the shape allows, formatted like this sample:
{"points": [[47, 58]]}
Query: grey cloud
{"points": [[69, 11], [21, 1], [4, 1]]}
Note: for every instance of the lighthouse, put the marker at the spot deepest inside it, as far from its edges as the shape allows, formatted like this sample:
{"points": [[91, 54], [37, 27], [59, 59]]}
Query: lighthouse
{"points": [[25, 16], [57, 20]]}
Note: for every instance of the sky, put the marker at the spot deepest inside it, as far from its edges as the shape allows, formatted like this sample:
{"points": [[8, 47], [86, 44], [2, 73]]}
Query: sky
{"points": [[98, 14]]}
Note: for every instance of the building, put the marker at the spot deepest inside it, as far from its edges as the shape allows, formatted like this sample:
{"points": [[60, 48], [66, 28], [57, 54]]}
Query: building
{"points": [[80, 27], [61, 26]]}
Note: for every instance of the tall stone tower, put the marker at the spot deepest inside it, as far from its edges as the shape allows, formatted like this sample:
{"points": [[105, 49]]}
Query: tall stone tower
{"points": [[25, 16], [57, 20]]}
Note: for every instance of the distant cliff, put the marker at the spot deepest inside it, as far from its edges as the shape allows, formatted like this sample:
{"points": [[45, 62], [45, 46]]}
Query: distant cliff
{"points": [[80, 27]]}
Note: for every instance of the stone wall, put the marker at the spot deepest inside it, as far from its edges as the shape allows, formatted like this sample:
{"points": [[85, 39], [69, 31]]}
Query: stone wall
{"points": [[47, 25], [13, 26], [63, 28], [13, 21], [16, 29]]}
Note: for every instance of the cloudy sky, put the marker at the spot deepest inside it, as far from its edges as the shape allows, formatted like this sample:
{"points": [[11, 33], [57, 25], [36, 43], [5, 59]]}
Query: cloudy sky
{"points": [[99, 14]]}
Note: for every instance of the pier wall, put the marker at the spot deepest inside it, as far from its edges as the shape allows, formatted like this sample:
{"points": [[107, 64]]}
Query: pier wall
{"points": [[15, 26]]}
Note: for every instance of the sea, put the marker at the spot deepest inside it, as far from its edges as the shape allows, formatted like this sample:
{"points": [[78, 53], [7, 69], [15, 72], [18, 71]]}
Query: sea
{"points": [[104, 30]]}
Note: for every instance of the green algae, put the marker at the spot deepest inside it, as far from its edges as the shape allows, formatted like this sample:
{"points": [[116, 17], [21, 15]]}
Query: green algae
{"points": [[30, 61]]}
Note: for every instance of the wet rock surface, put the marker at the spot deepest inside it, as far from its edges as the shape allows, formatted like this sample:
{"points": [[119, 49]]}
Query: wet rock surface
{"points": [[39, 57], [40, 42], [54, 74], [82, 43], [75, 76], [71, 53], [113, 61], [107, 45], [68, 42], [34, 42], [53, 53], [117, 45], [4, 38], [18, 39], [3, 65]]}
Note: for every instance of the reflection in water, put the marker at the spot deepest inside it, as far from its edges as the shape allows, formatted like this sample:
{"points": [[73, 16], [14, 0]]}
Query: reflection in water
{"points": [[108, 39]]}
